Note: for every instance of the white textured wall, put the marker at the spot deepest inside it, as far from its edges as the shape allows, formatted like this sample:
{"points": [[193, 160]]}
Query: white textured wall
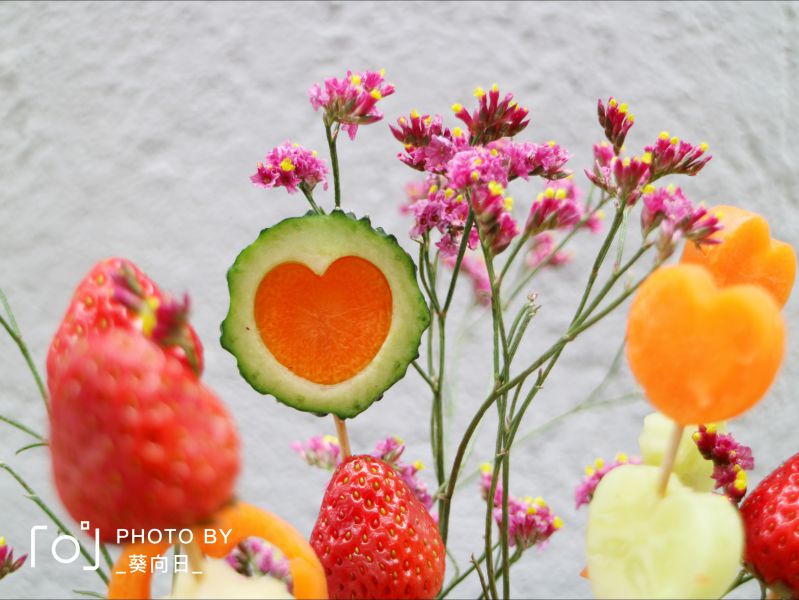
{"points": [[131, 129]]}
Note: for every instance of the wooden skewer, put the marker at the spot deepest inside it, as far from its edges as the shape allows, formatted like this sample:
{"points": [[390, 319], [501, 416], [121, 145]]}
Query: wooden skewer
{"points": [[343, 437], [196, 559], [669, 457]]}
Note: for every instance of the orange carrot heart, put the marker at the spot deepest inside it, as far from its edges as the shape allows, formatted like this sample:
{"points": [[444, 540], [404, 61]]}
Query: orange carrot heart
{"points": [[244, 520], [702, 353], [747, 254]]}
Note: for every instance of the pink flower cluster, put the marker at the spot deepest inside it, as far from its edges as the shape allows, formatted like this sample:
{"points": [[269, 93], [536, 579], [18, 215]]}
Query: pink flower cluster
{"points": [[319, 451], [252, 557], [527, 160], [730, 458], [429, 145], [472, 171], [7, 563], [594, 474], [291, 166], [530, 521], [558, 207], [616, 121], [476, 167], [677, 217], [390, 450], [492, 215], [442, 209], [671, 155], [494, 118], [623, 178], [352, 100], [324, 452]]}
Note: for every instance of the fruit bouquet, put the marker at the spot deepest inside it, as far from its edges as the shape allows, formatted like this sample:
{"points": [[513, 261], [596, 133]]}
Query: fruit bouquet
{"points": [[328, 311]]}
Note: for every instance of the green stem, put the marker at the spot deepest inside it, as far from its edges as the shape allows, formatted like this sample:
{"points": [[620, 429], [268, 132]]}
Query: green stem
{"points": [[600, 258], [423, 375], [58, 523], [309, 196], [548, 258], [506, 558], [22, 427], [622, 238], [480, 577], [553, 422], [438, 405], [467, 229], [456, 464], [23, 348], [517, 246], [743, 577], [30, 446], [331, 144], [459, 578]]}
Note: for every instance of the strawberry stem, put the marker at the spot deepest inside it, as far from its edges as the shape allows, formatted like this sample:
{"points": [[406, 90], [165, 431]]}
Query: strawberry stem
{"points": [[343, 437], [669, 457], [165, 322]]}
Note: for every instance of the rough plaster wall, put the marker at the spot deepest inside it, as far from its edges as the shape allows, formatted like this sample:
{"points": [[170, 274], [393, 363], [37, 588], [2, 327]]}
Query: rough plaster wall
{"points": [[131, 129]]}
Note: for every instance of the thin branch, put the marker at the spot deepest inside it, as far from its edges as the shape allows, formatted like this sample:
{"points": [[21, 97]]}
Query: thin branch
{"points": [[56, 521], [29, 446], [22, 427], [17, 337], [425, 376]]}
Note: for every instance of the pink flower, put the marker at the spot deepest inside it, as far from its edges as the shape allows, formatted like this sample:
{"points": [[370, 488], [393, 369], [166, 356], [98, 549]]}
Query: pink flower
{"points": [[667, 203], [390, 450], [492, 214], [429, 146], [541, 247], [616, 121], [530, 521], [319, 451], [414, 190], [527, 159], [594, 474], [351, 101], [603, 154], [7, 563], [623, 178], [291, 166], [494, 118], [476, 166], [554, 208], [677, 217], [252, 557], [417, 486], [731, 460], [671, 155]]}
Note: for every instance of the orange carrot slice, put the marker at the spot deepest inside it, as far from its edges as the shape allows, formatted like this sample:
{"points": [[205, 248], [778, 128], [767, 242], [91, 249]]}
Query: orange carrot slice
{"points": [[703, 354], [324, 328], [747, 254], [244, 520]]}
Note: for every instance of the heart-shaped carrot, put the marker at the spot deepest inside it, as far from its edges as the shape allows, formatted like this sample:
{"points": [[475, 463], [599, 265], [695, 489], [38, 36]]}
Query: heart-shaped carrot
{"points": [[747, 254], [244, 520], [325, 328], [702, 353]]}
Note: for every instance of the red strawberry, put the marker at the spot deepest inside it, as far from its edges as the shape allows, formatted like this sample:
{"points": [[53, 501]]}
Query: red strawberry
{"points": [[137, 441], [374, 538], [117, 295], [771, 521]]}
